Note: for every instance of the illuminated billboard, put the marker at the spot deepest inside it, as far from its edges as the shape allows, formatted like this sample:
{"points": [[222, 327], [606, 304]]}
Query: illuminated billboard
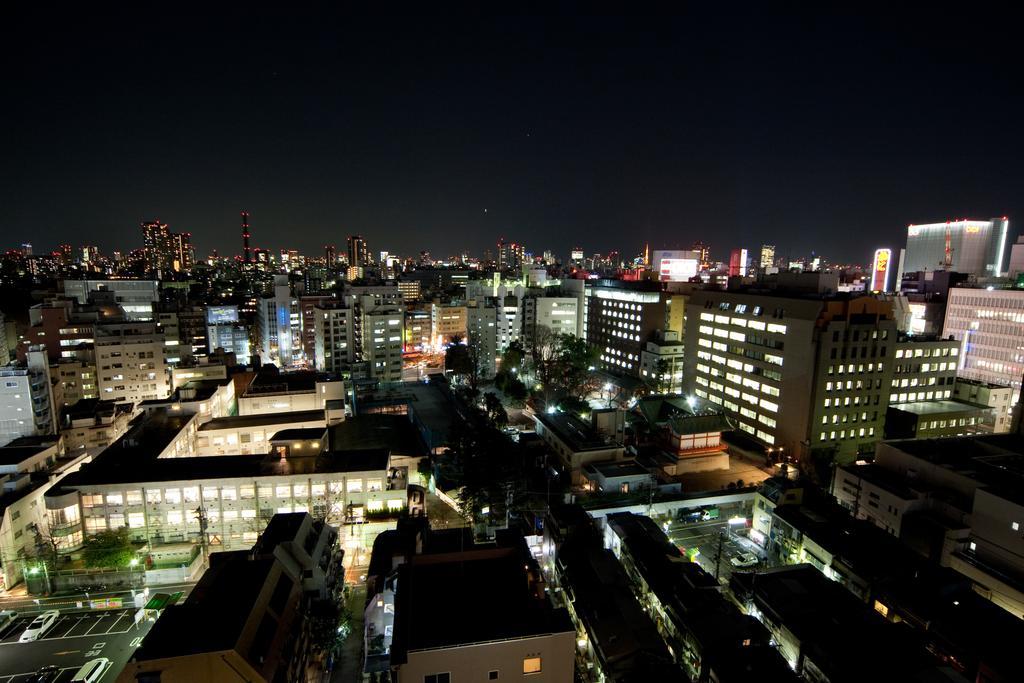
{"points": [[221, 314], [880, 270], [677, 269]]}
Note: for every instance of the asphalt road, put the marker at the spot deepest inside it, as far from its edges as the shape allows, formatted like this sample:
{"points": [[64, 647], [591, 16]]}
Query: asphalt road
{"points": [[77, 637]]}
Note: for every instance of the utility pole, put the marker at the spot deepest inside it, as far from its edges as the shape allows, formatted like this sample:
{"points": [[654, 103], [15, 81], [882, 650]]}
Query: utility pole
{"points": [[718, 554], [203, 542]]}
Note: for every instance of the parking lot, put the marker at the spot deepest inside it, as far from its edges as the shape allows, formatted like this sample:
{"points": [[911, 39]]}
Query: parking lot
{"points": [[707, 539], [74, 639]]}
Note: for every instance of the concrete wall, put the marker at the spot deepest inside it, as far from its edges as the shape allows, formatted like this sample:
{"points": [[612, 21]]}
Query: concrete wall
{"points": [[474, 662]]}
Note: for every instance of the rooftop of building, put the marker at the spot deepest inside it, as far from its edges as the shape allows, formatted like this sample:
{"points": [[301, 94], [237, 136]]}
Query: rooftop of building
{"points": [[574, 432], [262, 419], [867, 550], [616, 468], [884, 479], [110, 473], [937, 408], [215, 613], [994, 460], [981, 384], [443, 603], [431, 405], [13, 455], [392, 432], [269, 380], [621, 632], [95, 408], [306, 434]]}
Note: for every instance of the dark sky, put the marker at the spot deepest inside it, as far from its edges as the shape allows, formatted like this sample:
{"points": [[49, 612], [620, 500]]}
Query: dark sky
{"points": [[827, 131]]}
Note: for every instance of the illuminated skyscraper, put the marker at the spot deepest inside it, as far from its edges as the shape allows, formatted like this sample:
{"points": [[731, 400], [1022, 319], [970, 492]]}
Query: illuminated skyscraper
{"points": [[510, 255], [767, 256], [159, 247], [358, 253], [963, 246], [245, 237]]}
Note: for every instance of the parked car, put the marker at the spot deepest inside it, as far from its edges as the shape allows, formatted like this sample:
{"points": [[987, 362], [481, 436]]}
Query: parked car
{"points": [[91, 671], [39, 626], [744, 560], [46, 674], [7, 618]]}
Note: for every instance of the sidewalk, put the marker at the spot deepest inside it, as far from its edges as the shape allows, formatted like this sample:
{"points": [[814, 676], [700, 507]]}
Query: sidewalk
{"points": [[349, 667]]}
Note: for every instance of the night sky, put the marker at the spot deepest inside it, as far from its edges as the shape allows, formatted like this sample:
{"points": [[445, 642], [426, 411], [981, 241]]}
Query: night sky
{"points": [[825, 132]]}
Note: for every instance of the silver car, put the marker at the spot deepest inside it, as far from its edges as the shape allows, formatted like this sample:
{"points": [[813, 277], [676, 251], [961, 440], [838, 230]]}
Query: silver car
{"points": [[744, 560], [39, 626]]}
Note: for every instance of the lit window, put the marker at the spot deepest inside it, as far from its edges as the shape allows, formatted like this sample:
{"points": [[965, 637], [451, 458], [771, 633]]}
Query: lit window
{"points": [[531, 665]]}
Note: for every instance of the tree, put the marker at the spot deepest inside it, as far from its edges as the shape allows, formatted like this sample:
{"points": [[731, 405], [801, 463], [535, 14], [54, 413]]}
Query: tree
{"points": [[516, 391], [463, 361], [457, 358], [112, 548], [495, 410], [512, 359]]}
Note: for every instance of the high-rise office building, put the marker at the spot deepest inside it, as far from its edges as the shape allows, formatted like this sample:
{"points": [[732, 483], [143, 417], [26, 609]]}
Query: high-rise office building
{"points": [[620, 318], [738, 263], [280, 325], [797, 373], [963, 246], [167, 252], [767, 257], [510, 255], [358, 252], [989, 325]]}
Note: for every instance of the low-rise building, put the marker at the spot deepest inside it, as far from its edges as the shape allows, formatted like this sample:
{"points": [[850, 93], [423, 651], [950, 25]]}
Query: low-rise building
{"points": [[431, 603], [661, 362], [577, 443], [996, 396], [278, 392], [711, 639], [254, 615], [933, 419], [814, 621], [249, 434], [956, 500], [95, 424]]}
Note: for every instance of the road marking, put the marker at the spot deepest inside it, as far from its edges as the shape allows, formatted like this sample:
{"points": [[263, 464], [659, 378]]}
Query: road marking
{"points": [[99, 646], [66, 652], [135, 642]]}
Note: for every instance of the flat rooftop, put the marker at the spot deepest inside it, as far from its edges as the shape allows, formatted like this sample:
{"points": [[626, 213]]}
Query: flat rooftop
{"points": [[13, 455], [105, 472], [391, 432], [463, 601], [927, 408], [270, 382], [215, 613], [617, 468], [263, 419], [307, 434], [579, 435]]}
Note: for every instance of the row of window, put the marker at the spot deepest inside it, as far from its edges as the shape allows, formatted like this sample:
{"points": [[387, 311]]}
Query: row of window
{"points": [[190, 494]]}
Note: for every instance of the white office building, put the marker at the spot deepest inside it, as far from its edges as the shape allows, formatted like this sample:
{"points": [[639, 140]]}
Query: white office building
{"points": [[989, 324], [130, 362]]}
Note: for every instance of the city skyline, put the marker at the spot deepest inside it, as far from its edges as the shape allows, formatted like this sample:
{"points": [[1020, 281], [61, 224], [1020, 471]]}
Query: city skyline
{"points": [[817, 132]]}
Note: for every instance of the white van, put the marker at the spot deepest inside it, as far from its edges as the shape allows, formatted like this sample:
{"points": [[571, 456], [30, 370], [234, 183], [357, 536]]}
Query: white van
{"points": [[91, 671]]}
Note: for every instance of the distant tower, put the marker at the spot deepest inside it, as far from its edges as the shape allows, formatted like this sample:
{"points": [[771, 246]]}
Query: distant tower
{"points": [[245, 237]]}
